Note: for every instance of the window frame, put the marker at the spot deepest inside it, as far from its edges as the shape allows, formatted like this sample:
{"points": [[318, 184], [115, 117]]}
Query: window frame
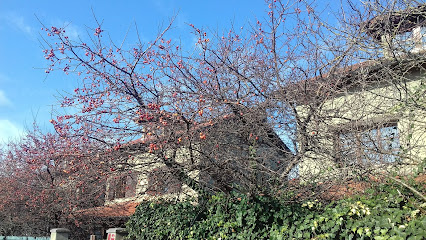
{"points": [[376, 153]]}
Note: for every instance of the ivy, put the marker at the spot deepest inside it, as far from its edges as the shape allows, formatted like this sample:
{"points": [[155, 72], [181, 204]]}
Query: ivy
{"points": [[161, 220], [385, 212]]}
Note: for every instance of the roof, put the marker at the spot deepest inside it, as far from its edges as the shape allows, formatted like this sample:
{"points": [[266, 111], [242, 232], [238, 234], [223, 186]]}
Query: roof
{"points": [[200, 127], [124, 209], [323, 85], [347, 78], [395, 22]]}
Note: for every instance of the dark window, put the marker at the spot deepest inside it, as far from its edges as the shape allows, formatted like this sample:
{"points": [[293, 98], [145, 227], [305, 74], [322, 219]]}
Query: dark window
{"points": [[375, 145], [122, 186], [161, 181], [131, 183]]}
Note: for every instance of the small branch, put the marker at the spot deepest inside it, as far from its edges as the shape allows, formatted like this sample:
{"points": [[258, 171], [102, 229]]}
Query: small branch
{"points": [[417, 193]]}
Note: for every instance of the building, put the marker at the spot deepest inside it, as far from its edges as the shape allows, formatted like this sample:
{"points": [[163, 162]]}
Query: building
{"points": [[218, 155], [368, 119]]}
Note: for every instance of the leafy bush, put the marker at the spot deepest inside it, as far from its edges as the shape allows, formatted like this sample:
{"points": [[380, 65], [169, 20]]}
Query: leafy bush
{"points": [[161, 220], [383, 213], [238, 217]]}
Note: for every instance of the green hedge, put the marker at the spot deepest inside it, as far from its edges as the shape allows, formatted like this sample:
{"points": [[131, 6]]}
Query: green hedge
{"points": [[383, 213]]}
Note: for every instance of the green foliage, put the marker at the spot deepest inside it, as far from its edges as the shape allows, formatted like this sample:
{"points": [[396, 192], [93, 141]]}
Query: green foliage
{"points": [[383, 213], [161, 220], [239, 217]]}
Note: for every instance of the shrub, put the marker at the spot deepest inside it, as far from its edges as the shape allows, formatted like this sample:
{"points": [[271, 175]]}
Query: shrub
{"points": [[238, 217], [383, 213], [161, 220]]}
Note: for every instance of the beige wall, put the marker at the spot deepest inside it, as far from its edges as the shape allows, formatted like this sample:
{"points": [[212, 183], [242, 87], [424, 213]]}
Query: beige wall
{"points": [[145, 163], [359, 107]]}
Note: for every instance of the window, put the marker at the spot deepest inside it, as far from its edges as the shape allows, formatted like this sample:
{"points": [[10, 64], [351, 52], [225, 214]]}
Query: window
{"points": [[374, 145], [161, 181], [404, 42], [411, 41], [122, 186], [423, 35]]}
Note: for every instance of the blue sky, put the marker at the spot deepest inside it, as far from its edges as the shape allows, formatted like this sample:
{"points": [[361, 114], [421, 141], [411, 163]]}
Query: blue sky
{"points": [[28, 94]]}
